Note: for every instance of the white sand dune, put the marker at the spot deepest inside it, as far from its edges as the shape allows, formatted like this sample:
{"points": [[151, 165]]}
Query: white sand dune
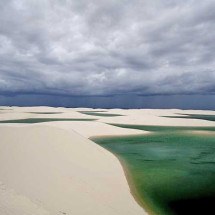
{"points": [[24, 113], [156, 120], [61, 173], [90, 129], [157, 117], [12, 203]]}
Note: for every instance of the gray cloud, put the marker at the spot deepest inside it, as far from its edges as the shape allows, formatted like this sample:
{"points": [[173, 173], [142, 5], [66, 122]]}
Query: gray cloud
{"points": [[105, 47]]}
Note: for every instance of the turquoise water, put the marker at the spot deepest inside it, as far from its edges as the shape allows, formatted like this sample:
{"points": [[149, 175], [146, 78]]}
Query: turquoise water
{"points": [[171, 169], [38, 120]]}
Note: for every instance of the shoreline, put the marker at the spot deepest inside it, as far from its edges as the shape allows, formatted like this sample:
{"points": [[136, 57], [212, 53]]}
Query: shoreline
{"points": [[133, 189], [134, 192]]}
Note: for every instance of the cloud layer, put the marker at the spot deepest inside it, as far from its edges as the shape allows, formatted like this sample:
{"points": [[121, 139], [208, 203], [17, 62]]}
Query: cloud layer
{"points": [[107, 47]]}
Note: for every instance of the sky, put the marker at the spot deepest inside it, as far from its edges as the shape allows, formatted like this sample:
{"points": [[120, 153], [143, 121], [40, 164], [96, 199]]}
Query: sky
{"points": [[59, 52]]}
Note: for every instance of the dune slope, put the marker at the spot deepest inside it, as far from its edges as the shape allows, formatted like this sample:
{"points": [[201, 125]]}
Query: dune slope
{"points": [[48, 170]]}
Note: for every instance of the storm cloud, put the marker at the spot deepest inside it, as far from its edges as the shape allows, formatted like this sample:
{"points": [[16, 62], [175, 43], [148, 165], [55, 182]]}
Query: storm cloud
{"points": [[107, 47]]}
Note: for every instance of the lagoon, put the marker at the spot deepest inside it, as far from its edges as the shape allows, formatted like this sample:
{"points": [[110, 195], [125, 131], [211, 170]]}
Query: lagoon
{"points": [[171, 170]]}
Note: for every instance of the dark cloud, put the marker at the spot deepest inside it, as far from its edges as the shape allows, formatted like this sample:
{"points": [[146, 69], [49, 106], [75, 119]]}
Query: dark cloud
{"points": [[106, 47]]}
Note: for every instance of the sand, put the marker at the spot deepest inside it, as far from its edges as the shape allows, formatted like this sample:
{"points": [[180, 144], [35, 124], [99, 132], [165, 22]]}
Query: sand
{"points": [[62, 172], [53, 168]]}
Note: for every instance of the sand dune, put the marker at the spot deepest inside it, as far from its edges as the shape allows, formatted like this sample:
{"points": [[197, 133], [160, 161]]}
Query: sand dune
{"points": [[60, 172], [90, 129], [12, 203], [156, 117]]}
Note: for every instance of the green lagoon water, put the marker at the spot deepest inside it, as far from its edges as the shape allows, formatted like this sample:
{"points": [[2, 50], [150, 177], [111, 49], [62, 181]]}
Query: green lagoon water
{"points": [[99, 113], [171, 170], [38, 120], [195, 116]]}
